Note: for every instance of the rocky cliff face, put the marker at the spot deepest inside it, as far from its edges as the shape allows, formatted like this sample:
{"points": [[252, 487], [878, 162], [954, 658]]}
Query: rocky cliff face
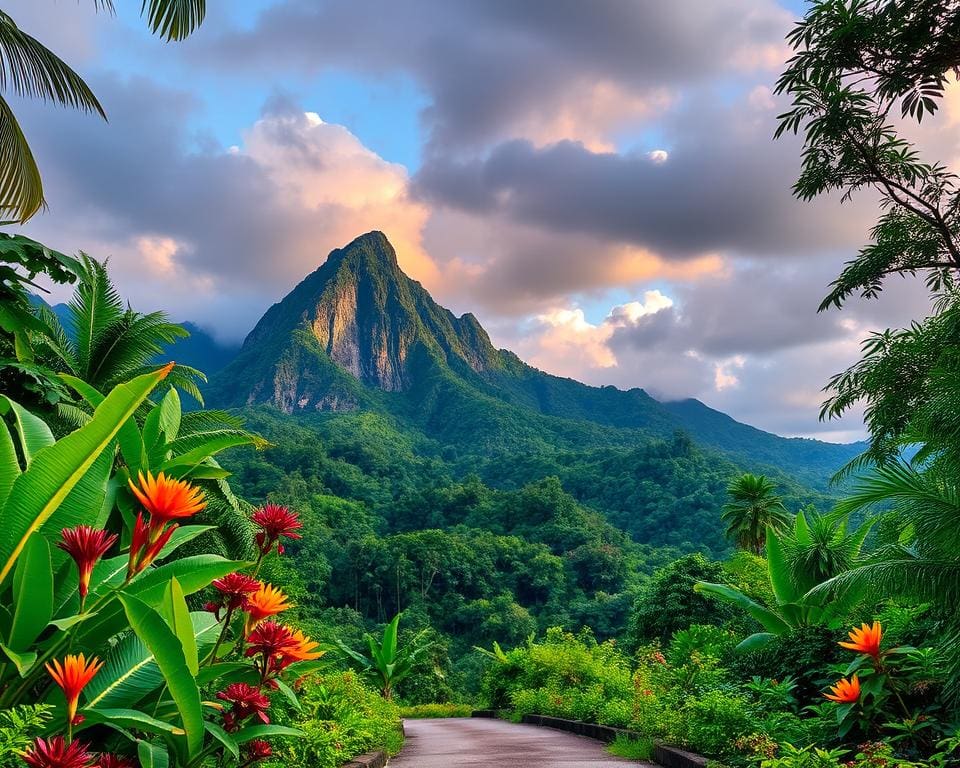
{"points": [[359, 312]]}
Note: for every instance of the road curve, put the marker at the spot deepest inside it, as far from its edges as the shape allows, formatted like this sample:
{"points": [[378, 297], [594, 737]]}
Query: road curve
{"points": [[484, 743]]}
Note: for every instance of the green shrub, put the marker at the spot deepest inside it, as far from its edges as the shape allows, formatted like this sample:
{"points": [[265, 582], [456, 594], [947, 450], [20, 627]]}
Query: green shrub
{"points": [[341, 718], [18, 728], [714, 721], [436, 710]]}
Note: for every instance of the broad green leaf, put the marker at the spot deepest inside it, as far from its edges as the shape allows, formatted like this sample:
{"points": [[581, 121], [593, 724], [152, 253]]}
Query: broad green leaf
{"points": [[170, 415], [70, 621], [130, 718], [128, 438], [33, 431], [38, 493], [783, 587], [168, 653], [174, 610], [130, 672], [289, 694], [221, 671], [224, 738], [152, 755], [22, 661], [181, 536], [187, 461], [204, 472], [754, 642], [9, 465], [767, 618], [252, 732], [32, 594]]}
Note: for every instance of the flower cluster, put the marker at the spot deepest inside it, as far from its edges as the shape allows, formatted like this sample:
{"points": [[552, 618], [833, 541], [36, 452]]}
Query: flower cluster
{"points": [[865, 640], [245, 701], [271, 647], [234, 588]]}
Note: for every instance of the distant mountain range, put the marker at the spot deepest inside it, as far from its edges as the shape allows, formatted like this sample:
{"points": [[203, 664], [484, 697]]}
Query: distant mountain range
{"points": [[359, 335], [199, 350]]}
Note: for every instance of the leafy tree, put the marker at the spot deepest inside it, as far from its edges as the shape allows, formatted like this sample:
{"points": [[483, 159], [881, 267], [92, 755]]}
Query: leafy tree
{"points": [[670, 603], [920, 556], [855, 63], [822, 546], [32, 70], [21, 260], [754, 505]]}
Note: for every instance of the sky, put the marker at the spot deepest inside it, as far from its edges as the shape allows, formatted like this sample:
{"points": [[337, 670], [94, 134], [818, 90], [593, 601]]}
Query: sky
{"points": [[596, 181]]}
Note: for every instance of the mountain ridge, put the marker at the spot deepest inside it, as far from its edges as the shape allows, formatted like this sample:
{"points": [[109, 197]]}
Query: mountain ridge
{"points": [[357, 333]]}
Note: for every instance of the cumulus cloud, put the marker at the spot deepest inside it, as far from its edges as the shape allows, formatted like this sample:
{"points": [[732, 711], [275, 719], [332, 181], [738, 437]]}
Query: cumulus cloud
{"points": [[216, 235], [492, 70]]}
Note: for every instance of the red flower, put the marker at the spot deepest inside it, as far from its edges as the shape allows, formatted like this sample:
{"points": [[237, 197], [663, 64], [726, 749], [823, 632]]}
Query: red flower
{"points": [[143, 550], [86, 546], [270, 639], [246, 701], [275, 521], [236, 586], [258, 749], [72, 676], [234, 589], [56, 753], [112, 760]]}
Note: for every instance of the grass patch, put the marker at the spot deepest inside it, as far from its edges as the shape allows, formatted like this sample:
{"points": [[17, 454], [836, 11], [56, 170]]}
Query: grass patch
{"points": [[632, 749], [436, 710]]}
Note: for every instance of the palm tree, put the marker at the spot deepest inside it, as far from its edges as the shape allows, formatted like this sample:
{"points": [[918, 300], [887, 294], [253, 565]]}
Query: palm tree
{"points": [[105, 342], [754, 505], [30, 69]]}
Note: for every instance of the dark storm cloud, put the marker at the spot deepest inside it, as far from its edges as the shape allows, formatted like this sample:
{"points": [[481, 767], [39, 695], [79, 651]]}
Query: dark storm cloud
{"points": [[487, 66], [694, 202]]}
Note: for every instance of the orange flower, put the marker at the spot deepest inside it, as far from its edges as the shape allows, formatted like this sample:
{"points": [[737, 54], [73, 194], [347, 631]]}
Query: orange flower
{"points": [[166, 499], [266, 601], [845, 691], [301, 648], [866, 640], [72, 676]]}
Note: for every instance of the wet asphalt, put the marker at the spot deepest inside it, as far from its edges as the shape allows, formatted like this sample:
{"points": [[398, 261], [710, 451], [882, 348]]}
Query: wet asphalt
{"points": [[483, 743]]}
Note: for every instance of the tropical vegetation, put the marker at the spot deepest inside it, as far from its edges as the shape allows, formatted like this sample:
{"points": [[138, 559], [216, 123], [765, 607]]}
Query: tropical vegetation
{"points": [[191, 587]]}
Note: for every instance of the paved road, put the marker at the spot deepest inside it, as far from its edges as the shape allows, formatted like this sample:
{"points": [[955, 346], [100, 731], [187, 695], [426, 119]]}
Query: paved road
{"points": [[483, 743]]}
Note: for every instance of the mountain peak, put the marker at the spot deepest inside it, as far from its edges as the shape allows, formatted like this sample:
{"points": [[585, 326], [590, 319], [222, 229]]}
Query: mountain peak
{"points": [[371, 249], [361, 313]]}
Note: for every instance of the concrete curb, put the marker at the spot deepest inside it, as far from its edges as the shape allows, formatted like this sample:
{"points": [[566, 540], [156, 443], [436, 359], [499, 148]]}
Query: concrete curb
{"points": [[667, 756], [376, 759]]}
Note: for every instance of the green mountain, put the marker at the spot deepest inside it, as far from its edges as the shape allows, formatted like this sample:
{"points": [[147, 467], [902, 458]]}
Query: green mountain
{"points": [[359, 335]]}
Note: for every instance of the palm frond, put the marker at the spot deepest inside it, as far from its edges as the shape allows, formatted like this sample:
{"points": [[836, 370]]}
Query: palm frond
{"points": [[30, 69], [21, 189], [174, 19], [130, 343], [95, 306], [55, 341]]}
